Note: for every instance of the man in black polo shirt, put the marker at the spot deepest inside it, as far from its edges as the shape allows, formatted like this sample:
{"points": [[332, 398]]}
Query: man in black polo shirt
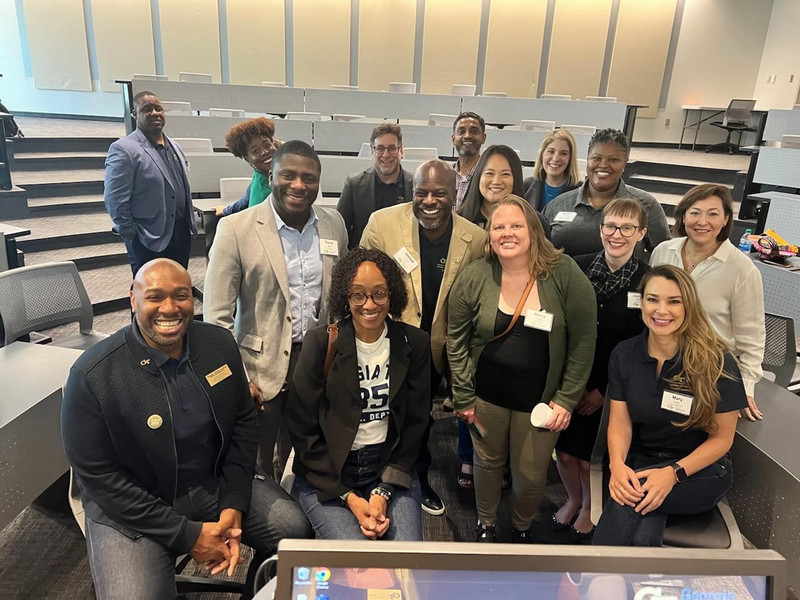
{"points": [[431, 244], [161, 432], [381, 186]]}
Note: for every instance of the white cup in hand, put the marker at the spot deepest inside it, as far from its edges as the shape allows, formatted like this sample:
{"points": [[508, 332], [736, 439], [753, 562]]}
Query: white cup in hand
{"points": [[541, 414]]}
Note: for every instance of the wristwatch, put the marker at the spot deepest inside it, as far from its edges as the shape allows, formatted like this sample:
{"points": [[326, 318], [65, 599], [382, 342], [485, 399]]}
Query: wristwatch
{"points": [[680, 472]]}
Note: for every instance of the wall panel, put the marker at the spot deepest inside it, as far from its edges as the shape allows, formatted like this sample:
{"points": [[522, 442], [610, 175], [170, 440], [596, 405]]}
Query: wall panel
{"points": [[640, 52], [128, 20], [514, 48], [580, 30], [58, 47], [383, 58], [450, 44], [321, 43], [190, 37], [256, 41]]}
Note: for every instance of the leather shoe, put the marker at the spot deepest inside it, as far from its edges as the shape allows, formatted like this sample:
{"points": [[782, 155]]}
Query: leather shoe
{"points": [[484, 534], [431, 503], [521, 536]]}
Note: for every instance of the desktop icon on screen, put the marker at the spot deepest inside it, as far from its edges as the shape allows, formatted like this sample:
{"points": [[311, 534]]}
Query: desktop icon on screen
{"points": [[322, 574], [303, 573]]}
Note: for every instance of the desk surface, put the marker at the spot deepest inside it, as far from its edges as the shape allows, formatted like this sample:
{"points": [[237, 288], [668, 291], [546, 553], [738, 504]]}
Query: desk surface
{"points": [[31, 372], [12, 231], [773, 195], [775, 435], [207, 205]]}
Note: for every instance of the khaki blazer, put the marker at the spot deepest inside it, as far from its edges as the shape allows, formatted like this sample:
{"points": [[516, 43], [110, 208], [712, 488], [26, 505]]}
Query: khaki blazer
{"points": [[247, 277], [393, 228]]}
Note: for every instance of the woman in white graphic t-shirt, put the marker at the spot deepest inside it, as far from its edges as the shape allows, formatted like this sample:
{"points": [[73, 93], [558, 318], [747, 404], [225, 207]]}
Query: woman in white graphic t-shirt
{"points": [[357, 419]]}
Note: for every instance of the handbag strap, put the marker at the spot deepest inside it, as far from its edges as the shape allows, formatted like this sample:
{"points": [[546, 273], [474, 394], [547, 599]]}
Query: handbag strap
{"points": [[333, 335], [517, 312]]}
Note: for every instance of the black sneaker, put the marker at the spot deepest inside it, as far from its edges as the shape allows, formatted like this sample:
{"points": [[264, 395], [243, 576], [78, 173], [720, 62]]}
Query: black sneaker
{"points": [[484, 534], [521, 537], [431, 503]]}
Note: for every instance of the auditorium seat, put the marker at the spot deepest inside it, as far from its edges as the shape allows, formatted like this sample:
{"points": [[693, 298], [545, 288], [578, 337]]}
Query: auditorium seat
{"points": [[195, 145], [195, 77]]}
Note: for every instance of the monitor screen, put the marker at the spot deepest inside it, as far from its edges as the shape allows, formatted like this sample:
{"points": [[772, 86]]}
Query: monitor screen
{"points": [[324, 570], [343, 583]]}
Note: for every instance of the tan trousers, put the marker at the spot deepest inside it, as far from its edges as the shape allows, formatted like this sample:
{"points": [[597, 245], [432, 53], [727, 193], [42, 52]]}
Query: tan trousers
{"points": [[510, 433]]}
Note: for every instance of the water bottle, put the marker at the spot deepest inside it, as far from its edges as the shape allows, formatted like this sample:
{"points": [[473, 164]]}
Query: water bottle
{"points": [[744, 241]]}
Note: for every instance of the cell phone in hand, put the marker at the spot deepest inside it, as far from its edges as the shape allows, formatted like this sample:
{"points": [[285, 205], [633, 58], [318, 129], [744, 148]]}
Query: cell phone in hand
{"points": [[476, 428]]}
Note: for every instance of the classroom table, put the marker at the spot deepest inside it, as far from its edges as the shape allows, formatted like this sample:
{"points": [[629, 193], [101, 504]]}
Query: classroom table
{"points": [[31, 452]]}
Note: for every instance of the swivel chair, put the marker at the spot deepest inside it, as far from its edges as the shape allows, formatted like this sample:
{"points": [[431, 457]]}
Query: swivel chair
{"points": [[780, 351], [736, 119]]}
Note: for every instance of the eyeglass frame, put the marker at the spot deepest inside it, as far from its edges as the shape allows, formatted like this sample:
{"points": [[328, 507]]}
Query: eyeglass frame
{"points": [[370, 297], [386, 149], [619, 228]]}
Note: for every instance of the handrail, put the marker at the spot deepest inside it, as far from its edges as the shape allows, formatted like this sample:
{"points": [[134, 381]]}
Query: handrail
{"points": [[5, 168]]}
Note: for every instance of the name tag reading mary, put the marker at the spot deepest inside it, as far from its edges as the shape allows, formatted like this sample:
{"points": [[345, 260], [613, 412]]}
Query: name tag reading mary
{"points": [[677, 403]]}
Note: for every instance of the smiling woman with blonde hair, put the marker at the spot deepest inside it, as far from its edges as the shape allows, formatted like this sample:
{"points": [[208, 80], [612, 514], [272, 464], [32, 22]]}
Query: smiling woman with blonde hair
{"points": [[555, 170], [506, 360], [675, 391]]}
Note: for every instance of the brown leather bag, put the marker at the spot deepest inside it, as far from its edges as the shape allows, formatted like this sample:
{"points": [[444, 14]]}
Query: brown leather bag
{"points": [[333, 335]]}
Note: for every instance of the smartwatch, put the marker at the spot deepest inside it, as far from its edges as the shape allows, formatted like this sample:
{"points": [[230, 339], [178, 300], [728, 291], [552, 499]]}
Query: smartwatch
{"points": [[680, 472]]}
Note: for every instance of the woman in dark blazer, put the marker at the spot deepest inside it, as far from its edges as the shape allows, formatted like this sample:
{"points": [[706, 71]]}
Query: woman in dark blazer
{"points": [[555, 170], [357, 419]]}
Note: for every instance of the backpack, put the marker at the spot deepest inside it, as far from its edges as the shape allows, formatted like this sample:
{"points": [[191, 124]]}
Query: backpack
{"points": [[12, 129]]}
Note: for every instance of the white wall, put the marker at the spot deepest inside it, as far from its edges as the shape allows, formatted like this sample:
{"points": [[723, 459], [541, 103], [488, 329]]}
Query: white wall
{"points": [[18, 92], [717, 59], [779, 74]]}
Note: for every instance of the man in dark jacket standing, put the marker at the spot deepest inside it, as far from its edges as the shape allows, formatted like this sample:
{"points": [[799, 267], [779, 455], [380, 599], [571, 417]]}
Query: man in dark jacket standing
{"points": [[161, 432]]}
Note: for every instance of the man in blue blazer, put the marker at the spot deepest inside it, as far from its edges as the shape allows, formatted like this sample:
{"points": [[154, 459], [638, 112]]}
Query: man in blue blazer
{"points": [[147, 189]]}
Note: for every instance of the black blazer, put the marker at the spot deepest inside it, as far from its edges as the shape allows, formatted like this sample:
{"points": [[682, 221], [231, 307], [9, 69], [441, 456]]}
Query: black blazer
{"points": [[533, 190], [357, 202], [323, 416], [127, 469]]}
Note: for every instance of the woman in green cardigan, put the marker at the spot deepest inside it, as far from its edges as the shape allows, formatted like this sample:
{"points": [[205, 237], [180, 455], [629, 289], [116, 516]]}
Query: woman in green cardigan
{"points": [[504, 365]]}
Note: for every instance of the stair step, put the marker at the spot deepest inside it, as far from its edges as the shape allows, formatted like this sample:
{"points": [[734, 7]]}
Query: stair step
{"points": [[61, 144], [675, 180], [66, 204], [89, 256], [58, 176], [40, 161]]}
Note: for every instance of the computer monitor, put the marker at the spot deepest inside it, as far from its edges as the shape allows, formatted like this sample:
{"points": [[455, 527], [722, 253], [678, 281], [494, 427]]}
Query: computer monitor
{"points": [[368, 570]]}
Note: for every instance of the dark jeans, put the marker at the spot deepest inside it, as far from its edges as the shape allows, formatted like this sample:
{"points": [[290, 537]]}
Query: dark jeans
{"points": [[178, 249], [332, 520], [272, 429], [623, 526], [142, 569]]}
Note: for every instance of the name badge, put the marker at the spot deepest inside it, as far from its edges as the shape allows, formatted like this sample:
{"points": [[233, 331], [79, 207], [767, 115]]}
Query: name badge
{"points": [[565, 217], [634, 300], [218, 375], [677, 403], [406, 261], [539, 319], [329, 247]]}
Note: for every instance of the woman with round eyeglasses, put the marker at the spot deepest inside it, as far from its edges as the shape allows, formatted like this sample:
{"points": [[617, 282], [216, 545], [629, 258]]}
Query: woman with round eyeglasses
{"points": [[254, 142], [497, 174], [675, 391], [359, 406], [555, 170], [728, 283], [575, 216], [615, 274]]}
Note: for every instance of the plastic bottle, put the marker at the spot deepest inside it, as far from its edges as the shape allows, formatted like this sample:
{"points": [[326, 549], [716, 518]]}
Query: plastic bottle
{"points": [[744, 241]]}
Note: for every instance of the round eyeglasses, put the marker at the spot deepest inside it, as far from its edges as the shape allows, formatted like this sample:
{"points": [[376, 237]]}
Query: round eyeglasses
{"points": [[379, 298], [626, 230]]}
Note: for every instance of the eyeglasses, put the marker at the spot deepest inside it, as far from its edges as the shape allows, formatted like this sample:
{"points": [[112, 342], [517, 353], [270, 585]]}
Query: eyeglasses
{"points": [[379, 298], [626, 230], [385, 149]]}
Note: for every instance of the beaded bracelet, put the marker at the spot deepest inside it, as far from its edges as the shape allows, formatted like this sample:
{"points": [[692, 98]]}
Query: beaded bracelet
{"points": [[382, 492]]}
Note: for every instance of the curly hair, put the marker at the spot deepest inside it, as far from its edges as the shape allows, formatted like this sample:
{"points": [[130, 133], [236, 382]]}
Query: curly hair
{"points": [[610, 136], [238, 137], [344, 272]]}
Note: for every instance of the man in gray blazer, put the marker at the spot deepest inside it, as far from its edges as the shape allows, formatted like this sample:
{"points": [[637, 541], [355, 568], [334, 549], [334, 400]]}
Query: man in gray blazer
{"points": [[267, 281], [381, 186], [147, 189]]}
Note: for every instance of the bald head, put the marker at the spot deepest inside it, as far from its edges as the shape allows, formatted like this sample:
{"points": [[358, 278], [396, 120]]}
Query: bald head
{"points": [[434, 196], [161, 299]]}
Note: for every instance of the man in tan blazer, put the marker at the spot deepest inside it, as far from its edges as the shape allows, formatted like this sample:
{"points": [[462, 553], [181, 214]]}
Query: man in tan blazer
{"points": [[267, 281], [431, 244]]}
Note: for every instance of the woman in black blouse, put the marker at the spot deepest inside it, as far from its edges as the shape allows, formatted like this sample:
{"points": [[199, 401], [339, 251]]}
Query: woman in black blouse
{"points": [[615, 274]]}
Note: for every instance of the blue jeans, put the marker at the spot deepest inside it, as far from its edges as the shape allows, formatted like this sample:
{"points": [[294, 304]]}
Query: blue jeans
{"points": [[142, 569], [332, 520], [623, 526]]}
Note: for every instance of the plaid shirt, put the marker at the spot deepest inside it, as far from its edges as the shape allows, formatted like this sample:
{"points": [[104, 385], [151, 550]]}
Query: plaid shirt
{"points": [[462, 183]]}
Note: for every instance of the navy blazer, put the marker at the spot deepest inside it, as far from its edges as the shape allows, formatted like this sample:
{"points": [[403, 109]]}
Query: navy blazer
{"points": [[137, 187], [323, 415], [125, 465], [357, 202]]}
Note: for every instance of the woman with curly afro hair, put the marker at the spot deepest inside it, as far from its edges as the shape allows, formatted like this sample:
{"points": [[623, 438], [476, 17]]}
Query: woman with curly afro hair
{"points": [[254, 141], [359, 406]]}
